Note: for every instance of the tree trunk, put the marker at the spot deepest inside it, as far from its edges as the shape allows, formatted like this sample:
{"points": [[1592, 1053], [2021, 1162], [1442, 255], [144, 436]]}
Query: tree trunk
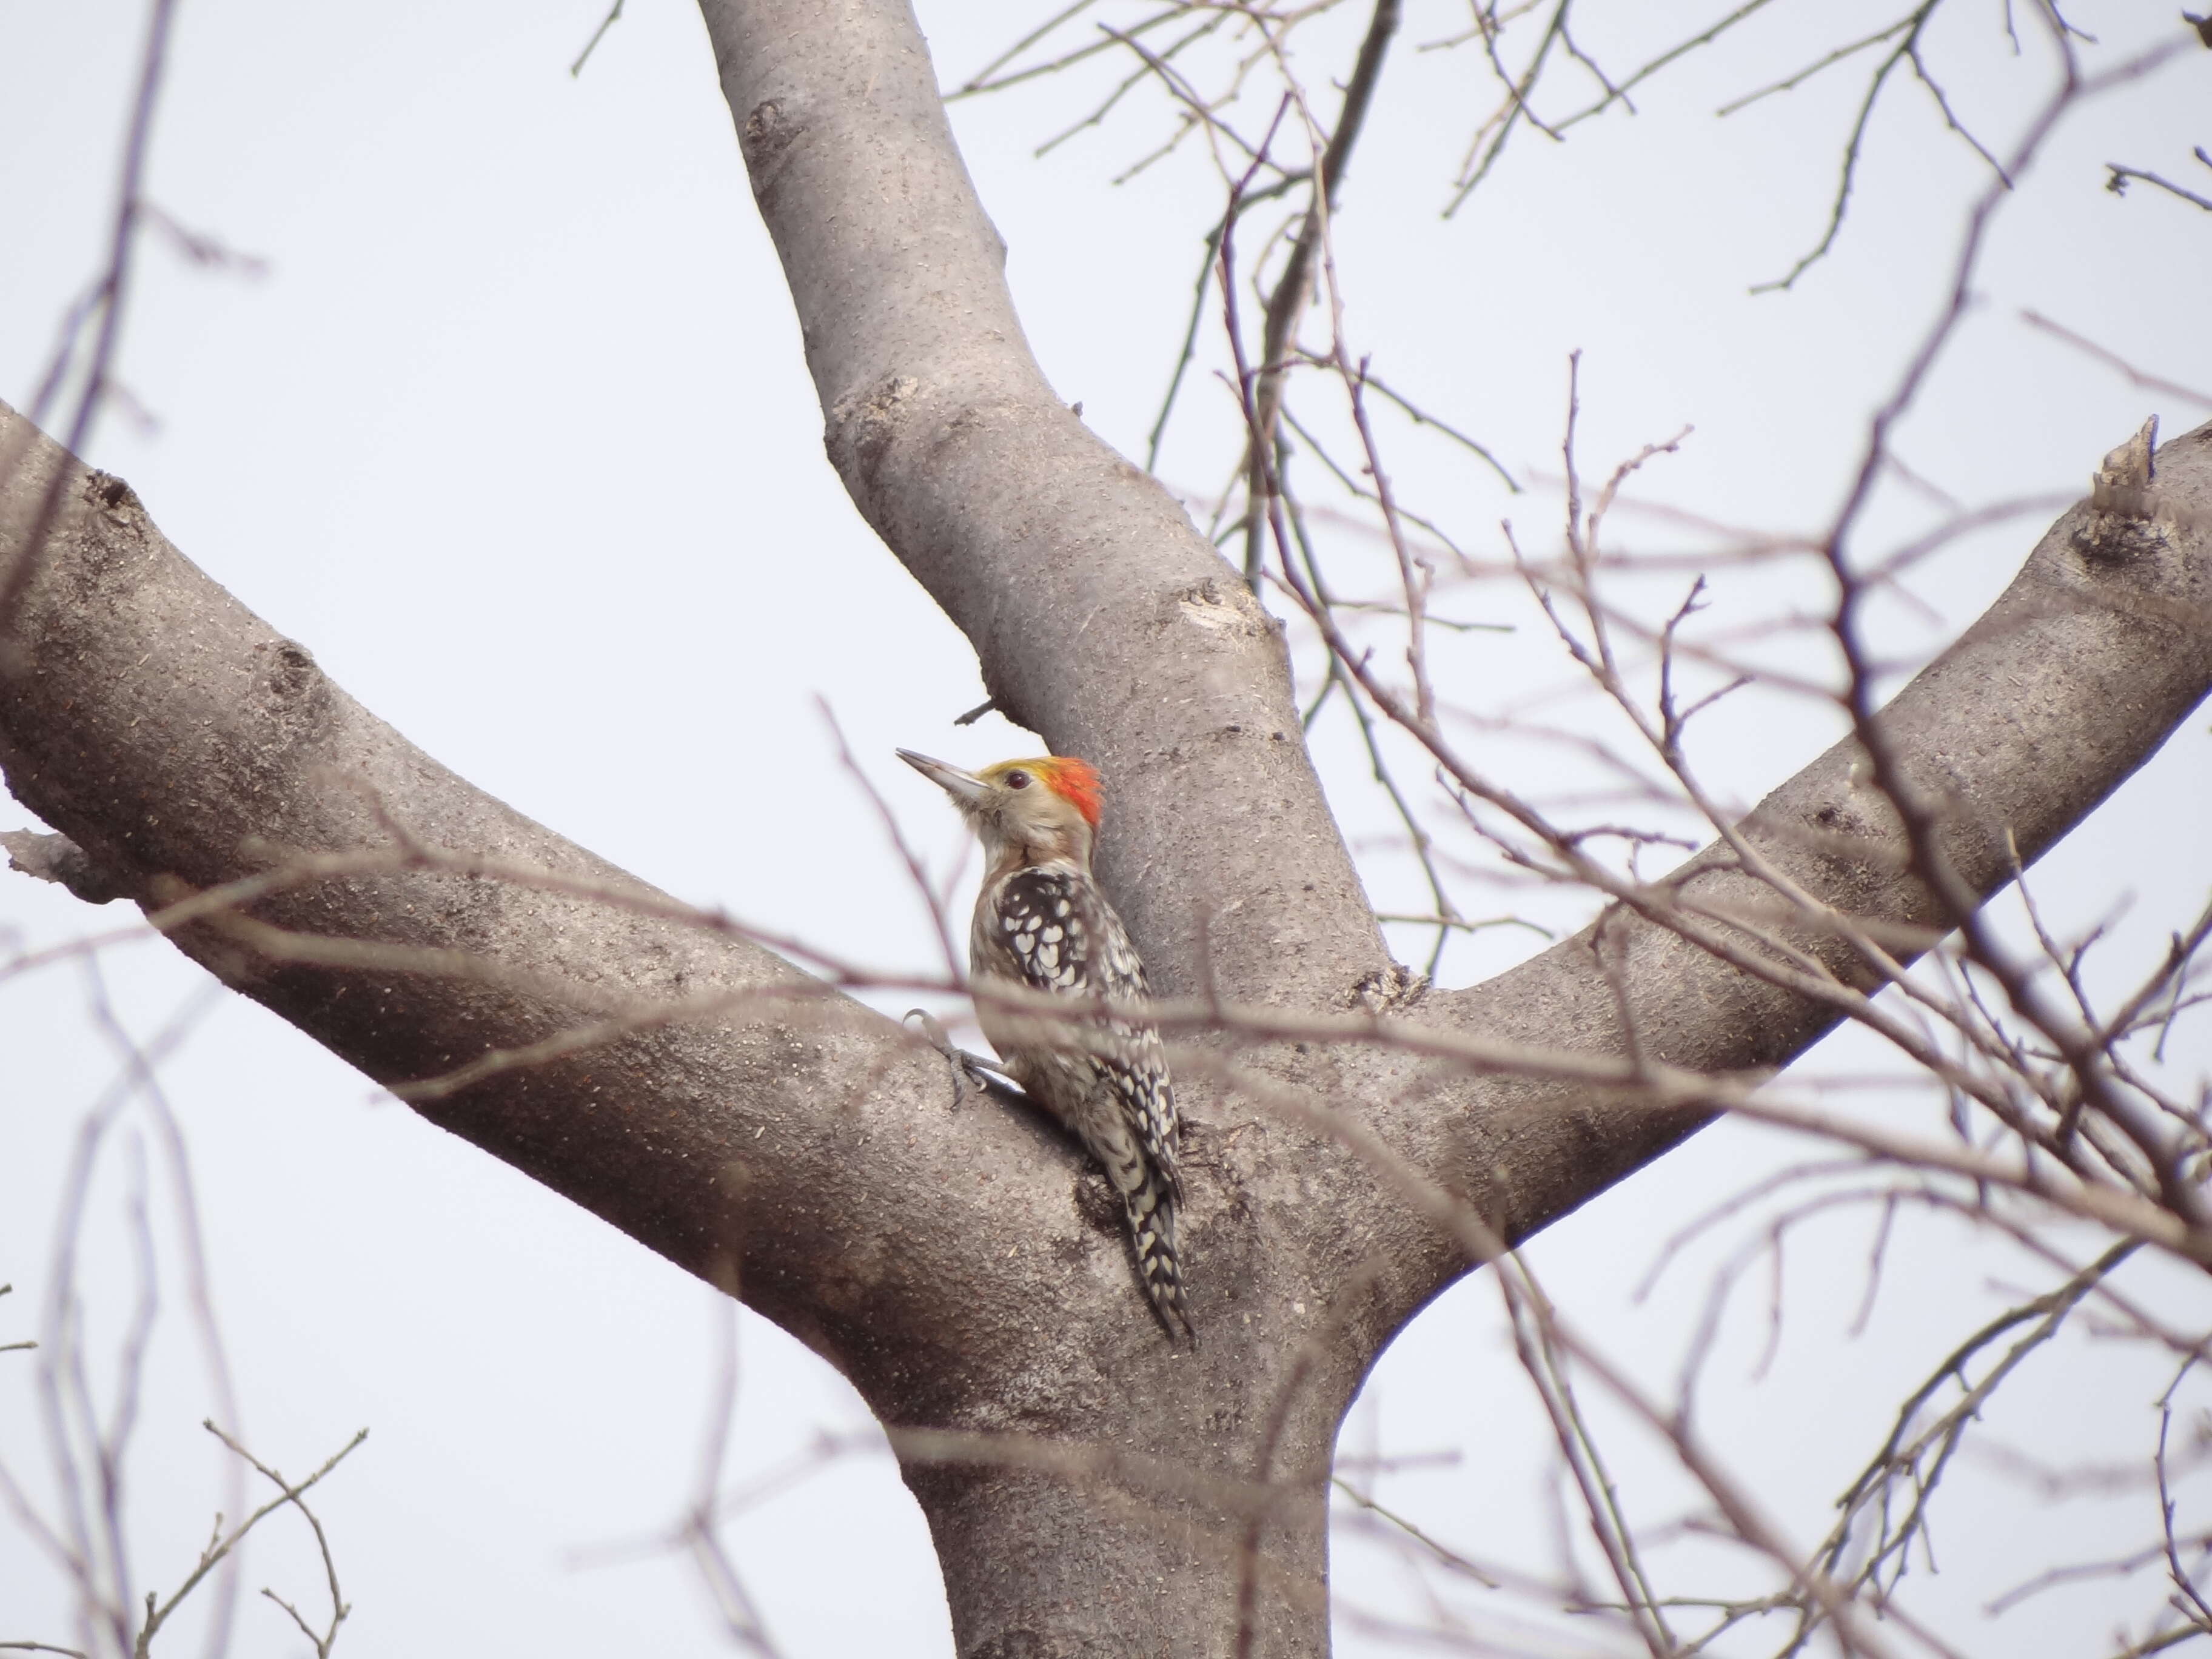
{"points": [[1091, 1487]]}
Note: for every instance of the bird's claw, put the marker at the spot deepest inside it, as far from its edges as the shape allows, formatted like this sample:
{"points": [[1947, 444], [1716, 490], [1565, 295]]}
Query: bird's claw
{"points": [[969, 1070]]}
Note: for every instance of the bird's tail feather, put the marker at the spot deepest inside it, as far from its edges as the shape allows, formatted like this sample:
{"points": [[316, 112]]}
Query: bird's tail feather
{"points": [[1152, 1210]]}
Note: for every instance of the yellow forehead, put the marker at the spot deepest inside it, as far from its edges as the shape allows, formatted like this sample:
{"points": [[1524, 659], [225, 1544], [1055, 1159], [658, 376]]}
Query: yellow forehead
{"points": [[997, 772]]}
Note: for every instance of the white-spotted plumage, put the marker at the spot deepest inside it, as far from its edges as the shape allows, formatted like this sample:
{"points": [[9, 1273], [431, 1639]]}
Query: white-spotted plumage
{"points": [[1042, 923]]}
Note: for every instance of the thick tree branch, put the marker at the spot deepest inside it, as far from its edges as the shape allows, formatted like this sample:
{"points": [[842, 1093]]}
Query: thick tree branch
{"points": [[783, 1138], [1102, 619], [2073, 680]]}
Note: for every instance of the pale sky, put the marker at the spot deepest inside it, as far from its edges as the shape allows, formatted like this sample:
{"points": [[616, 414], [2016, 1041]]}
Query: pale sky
{"points": [[513, 432]]}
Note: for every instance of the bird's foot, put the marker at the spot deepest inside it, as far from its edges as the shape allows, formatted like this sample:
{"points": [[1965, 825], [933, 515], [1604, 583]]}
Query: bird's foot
{"points": [[970, 1071]]}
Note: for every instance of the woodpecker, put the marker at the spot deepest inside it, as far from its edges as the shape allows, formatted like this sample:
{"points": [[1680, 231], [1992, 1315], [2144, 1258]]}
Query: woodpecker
{"points": [[1040, 921]]}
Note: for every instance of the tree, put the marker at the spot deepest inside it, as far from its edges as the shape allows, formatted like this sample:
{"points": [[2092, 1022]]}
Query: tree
{"points": [[1358, 1144]]}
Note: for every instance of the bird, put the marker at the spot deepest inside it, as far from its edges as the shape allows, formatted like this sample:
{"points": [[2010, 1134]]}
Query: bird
{"points": [[1043, 922]]}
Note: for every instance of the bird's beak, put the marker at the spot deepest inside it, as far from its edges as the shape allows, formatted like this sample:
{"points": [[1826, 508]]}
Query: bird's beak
{"points": [[961, 785]]}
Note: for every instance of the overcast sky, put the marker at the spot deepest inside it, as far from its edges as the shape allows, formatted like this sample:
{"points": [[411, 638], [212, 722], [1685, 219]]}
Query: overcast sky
{"points": [[511, 428]]}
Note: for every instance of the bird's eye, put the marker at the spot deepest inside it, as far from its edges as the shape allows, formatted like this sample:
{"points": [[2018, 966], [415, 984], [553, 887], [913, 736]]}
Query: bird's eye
{"points": [[1017, 780]]}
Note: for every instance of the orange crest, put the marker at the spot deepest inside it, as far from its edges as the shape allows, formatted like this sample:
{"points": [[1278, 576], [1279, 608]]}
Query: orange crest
{"points": [[1075, 782]]}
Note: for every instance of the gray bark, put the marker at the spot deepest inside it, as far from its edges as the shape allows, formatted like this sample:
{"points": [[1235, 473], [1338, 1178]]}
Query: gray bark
{"points": [[951, 1260]]}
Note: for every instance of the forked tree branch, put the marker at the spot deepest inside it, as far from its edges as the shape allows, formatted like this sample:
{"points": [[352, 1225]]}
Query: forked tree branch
{"points": [[786, 1142], [949, 440]]}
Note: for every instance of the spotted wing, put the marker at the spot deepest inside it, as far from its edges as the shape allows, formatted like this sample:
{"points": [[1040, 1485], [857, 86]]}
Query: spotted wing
{"points": [[1063, 937], [1049, 928]]}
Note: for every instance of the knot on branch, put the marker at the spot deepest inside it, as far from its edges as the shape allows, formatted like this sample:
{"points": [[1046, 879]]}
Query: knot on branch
{"points": [[2123, 523], [108, 494], [1224, 607], [289, 688], [765, 140], [59, 860], [862, 429]]}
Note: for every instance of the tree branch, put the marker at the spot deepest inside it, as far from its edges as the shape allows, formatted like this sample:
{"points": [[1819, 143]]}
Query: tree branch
{"points": [[2074, 678], [795, 1143], [1101, 618]]}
